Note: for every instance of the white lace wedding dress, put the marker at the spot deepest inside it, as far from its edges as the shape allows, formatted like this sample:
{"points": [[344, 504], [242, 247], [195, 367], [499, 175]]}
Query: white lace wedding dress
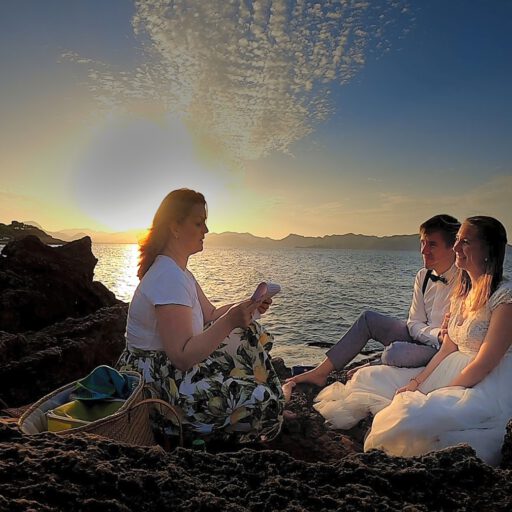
{"points": [[414, 423]]}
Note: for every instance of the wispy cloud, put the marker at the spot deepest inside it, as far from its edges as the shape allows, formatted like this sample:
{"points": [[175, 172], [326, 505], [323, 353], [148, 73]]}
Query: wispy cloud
{"points": [[386, 213], [250, 77]]}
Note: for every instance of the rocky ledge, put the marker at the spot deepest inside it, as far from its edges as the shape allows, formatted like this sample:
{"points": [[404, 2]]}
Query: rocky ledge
{"points": [[307, 468], [41, 285], [89, 474]]}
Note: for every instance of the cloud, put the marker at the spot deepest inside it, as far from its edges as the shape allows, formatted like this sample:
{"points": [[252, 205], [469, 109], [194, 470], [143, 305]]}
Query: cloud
{"points": [[489, 198], [251, 77], [387, 213]]}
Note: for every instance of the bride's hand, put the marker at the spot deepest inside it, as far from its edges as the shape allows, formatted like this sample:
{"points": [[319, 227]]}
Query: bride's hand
{"points": [[412, 385], [443, 330], [401, 390]]}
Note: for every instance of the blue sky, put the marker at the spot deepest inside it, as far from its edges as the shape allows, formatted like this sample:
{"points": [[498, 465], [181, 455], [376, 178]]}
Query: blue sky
{"points": [[442, 98], [308, 119]]}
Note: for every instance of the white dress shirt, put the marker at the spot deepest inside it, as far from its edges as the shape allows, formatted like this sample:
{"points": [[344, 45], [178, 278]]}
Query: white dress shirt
{"points": [[428, 309]]}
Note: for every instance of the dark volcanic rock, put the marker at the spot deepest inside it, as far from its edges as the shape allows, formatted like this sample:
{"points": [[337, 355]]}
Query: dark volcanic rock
{"points": [[34, 363], [41, 285], [304, 435], [85, 473], [56, 323], [506, 449], [308, 467]]}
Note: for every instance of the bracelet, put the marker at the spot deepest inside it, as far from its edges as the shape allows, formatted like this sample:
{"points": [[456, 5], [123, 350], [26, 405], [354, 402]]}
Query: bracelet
{"points": [[415, 380]]}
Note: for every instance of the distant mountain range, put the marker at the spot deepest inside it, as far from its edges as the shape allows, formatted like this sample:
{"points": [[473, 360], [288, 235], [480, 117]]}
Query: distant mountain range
{"points": [[226, 239], [348, 241], [99, 237]]}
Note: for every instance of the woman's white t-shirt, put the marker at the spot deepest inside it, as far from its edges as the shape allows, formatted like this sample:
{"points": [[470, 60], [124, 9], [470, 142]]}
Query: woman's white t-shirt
{"points": [[164, 283]]}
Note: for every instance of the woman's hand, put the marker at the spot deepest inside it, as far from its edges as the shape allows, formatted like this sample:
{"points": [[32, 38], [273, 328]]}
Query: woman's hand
{"points": [[444, 328], [183, 347], [412, 385], [263, 308], [240, 315]]}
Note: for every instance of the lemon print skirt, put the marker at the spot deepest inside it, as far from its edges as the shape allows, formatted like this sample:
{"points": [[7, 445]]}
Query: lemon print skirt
{"points": [[234, 395]]}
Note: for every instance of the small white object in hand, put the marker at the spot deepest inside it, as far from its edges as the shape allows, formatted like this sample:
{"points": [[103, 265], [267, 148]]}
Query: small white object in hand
{"points": [[264, 291], [272, 289]]}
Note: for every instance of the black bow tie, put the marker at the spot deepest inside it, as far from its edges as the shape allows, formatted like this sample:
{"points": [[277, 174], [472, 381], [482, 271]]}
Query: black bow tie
{"points": [[438, 278]]}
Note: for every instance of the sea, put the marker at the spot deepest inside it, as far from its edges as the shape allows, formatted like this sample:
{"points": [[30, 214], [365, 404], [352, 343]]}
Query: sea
{"points": [[322, 290]]}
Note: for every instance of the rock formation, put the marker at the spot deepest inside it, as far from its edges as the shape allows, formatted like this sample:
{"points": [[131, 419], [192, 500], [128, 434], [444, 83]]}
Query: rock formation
{"points": [[41, 285], [48, 473], [34, 363], [58, 324], [17, 230]]}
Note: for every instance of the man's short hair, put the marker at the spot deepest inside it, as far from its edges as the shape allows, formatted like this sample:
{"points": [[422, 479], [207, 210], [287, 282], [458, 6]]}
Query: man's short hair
{"points": [[445, 224]]}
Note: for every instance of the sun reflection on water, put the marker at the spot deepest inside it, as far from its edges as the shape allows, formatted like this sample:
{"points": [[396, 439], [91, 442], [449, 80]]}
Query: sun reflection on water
{"points": [[117, 268], [323, 291]]}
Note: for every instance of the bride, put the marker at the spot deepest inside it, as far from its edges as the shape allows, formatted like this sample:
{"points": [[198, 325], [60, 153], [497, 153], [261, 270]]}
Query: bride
{"points": [[463, 394]]}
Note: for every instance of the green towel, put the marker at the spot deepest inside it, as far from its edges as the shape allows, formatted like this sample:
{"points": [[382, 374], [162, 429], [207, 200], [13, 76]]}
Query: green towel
{"points": [[103, 382]]}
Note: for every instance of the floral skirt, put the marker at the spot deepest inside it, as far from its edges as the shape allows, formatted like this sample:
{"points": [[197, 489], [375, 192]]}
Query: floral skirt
{"points": [[234, 394]]}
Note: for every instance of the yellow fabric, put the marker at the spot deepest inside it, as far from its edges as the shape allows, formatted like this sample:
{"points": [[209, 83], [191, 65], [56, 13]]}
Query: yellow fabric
{"points": [[77, 413]]}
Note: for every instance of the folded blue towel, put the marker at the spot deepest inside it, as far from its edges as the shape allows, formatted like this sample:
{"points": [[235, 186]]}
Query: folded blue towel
{"points": [[103, 382]]}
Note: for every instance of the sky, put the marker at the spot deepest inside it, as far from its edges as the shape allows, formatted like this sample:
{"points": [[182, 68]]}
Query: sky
{"points": [[291, 116]]}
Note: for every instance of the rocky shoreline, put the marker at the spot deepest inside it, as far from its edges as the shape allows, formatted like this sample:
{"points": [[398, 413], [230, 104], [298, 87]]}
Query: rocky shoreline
{"points": [[86, 474], [307, 468]]}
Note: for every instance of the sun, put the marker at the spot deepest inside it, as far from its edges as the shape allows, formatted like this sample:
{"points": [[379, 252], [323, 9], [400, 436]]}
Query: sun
{"points": [[130, 164]]}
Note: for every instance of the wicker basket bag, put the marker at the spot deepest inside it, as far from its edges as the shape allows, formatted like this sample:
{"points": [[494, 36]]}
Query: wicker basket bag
{"points": [[131, 423]]}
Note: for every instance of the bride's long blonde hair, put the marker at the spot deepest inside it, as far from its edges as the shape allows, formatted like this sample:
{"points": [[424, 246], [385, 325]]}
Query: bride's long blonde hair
{"points": [[492, 232], [175, 207]]}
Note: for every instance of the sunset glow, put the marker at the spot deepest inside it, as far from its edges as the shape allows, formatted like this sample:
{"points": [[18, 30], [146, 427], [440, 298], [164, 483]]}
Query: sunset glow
{"points": [[290, 116]]}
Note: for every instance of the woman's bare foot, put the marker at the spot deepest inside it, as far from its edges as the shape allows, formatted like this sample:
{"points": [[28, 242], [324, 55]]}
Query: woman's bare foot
{"points": [[287, 390]]}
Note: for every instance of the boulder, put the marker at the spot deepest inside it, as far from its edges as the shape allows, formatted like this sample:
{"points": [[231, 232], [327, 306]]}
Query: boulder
{"points": [[33, 364], [41, 285]]}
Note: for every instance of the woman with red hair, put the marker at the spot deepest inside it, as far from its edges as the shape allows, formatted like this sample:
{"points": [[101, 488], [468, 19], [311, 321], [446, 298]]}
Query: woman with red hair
{"points": [[210, 362]]}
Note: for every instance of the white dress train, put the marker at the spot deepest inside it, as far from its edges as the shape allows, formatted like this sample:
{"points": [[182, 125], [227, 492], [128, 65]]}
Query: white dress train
{"points": [[414, 423]]}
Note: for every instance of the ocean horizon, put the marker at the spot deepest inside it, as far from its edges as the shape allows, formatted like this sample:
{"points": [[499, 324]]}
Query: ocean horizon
{"points": [[323, 290]]}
